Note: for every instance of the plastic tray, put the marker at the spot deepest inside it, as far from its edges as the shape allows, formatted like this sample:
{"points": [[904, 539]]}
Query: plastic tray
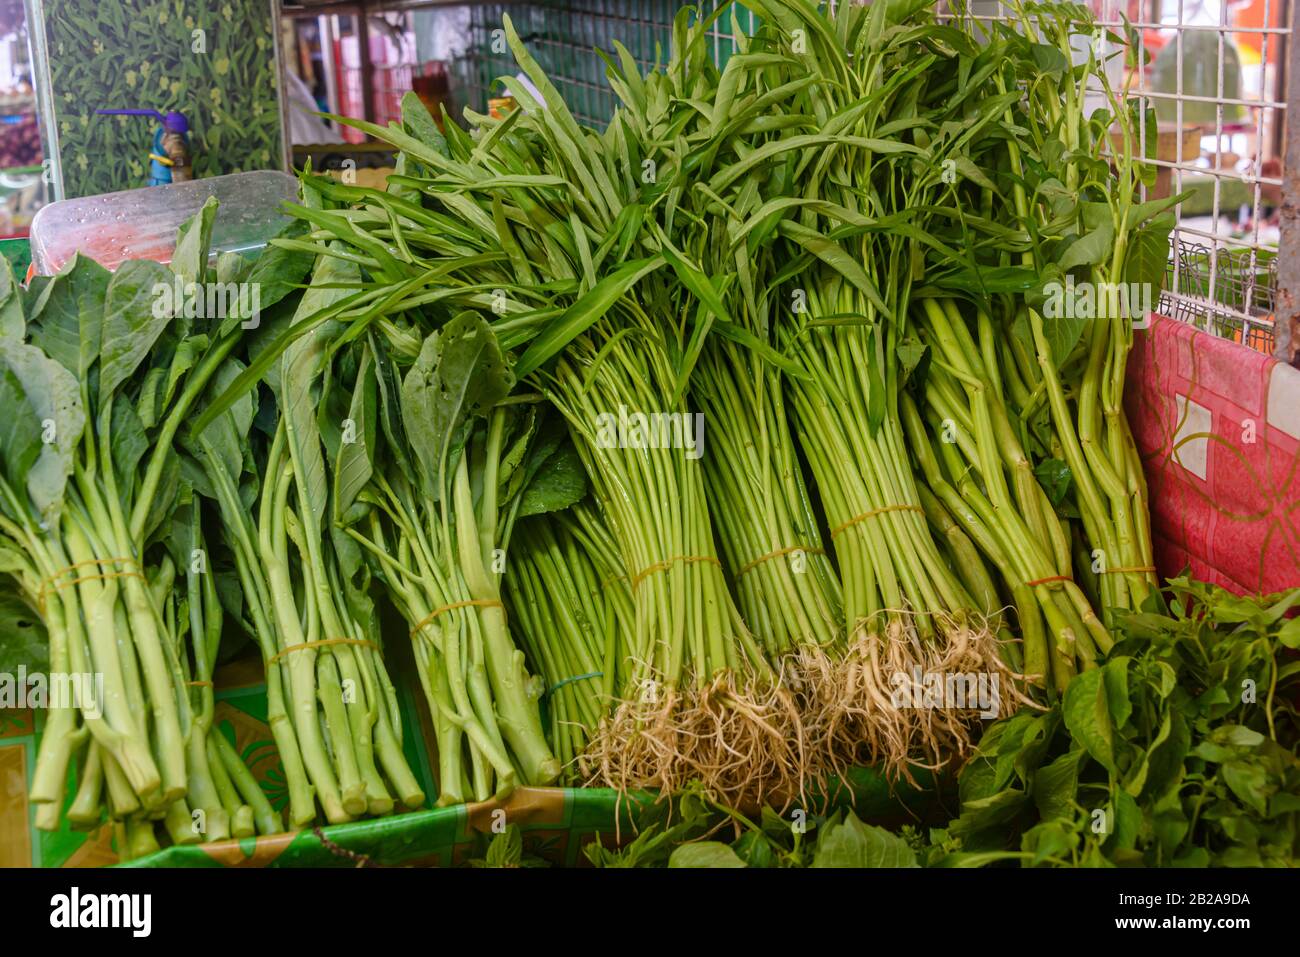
{"points": [[142, 223]]}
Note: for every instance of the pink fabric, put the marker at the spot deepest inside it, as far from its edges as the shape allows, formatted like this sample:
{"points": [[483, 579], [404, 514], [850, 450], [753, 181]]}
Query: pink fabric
{"points": [[1216, 424]]}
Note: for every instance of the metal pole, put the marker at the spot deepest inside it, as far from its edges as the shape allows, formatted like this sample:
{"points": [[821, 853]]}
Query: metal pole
{"points": [[282, 93], [1286, 320], [325, 31], [367, 68]]}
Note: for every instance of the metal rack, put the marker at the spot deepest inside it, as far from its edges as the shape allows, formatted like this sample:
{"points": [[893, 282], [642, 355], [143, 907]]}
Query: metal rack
{"points": [[1243, 285]]}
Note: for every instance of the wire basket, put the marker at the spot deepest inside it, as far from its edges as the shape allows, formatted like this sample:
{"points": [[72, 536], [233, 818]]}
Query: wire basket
{"points": [[1228, 292]]}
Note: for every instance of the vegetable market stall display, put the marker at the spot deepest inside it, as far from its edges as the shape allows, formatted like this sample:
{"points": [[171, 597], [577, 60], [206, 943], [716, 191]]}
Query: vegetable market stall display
{"points": [[890, 322], [922, 468]]}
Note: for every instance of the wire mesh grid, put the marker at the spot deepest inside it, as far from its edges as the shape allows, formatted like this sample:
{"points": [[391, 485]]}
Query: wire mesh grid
{"points": [[1245, 284], [564, 34]]}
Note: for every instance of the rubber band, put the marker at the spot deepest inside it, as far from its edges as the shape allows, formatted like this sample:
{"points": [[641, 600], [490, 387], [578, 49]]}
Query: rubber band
{"points": [[1052, 578], [98, 562], [1131, 568], [874, 512], [605, 583], [568, 681], [478, 602], [667, 563], [777, 554], [324, 642], [201, 684]]}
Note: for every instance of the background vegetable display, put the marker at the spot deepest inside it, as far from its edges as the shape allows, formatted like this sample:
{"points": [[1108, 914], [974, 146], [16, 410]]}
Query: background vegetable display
{"points": [[842, 248]]}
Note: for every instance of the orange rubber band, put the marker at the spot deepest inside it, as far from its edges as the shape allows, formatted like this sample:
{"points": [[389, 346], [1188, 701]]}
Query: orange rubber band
{"points": [[873, 513], [324, 642], [667, 563], [1044, 581], [778, 553], [51, 583], [475, 602]]}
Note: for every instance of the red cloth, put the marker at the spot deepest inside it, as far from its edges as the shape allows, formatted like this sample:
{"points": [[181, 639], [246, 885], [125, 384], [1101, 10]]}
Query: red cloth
{"points": [[1218, 428]]}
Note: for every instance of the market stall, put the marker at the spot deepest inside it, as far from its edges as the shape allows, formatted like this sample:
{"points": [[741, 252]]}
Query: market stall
{"points": [[846, 435]]}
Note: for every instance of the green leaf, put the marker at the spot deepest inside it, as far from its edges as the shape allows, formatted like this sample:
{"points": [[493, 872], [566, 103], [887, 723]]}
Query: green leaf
{"points": [[913, 357], [1062, 333], [1055, 786], [1237, 736], [134, 318], [1249, 781], [507, 848], [582, 314], [45, 400], [992, 279], [1289, 634], [1091, 248], [232, 267], [560, 481], [301, 369], [1049, 59], [755, 850], [66, 316], [1115, 676], [193, 242], [458, 375], [1050, 839], [1147, 259], [851, 843], [1055, 477], [704, 854], [417, 121], [276, 273], [25, 642], [227, 434], [129, 441], [835, 256], [1087, 716], [1166, 756], [20, 433], [12, 323], [1125, 821], [355, 460], [154, 403]]}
